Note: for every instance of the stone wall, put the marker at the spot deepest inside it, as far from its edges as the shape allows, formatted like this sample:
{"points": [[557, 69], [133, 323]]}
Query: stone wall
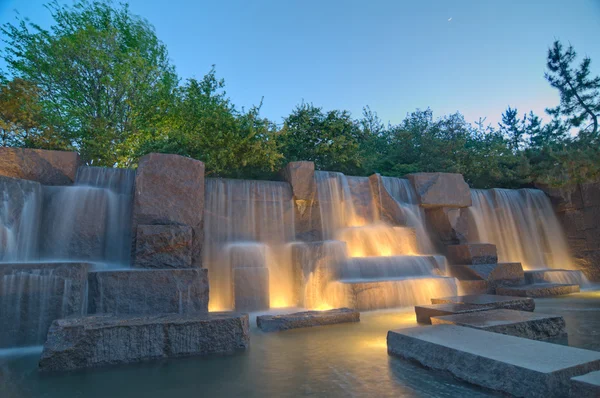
{"points": [[169, 190], [307, 214], [46, 167], [578, 209]]}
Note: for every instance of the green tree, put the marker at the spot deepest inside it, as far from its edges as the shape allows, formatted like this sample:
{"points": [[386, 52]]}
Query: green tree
{"points": [[204, 124], [22, 121], [102, 73], [330, 139], [579, 93]]}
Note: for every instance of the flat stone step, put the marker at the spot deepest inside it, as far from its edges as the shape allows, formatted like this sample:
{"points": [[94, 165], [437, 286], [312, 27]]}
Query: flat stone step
{"points": [[100, 340], [538, 290], [273, 323], [586, 386], [510, 302], [524, 324], [425, 312], [564, 276], [522, 367]]}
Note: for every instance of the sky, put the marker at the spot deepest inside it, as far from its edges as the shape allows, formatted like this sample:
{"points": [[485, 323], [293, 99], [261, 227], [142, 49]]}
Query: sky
{"points": [[472, 56]]}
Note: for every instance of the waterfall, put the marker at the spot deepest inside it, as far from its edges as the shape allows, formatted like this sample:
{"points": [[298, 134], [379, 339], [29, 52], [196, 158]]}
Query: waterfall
{"points": [[404, 194], [20, 211], [248, 224], [91, 220], [522, 225]]}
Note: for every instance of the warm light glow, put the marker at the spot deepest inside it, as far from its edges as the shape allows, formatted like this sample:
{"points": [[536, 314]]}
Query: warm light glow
{"points": [[322, 307], [379, 343], [279, 302], [379, 240]]}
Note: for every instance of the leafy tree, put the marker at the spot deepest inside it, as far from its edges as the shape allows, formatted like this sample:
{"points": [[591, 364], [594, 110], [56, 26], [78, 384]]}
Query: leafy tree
{"points": [[205, 125], [330, 139], [579, 93], [101, 72], [22, 120]]}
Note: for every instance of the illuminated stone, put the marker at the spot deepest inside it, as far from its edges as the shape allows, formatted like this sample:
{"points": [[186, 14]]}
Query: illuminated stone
{"points": [[272, 323], [490, 300], [425, 312], [538, 290]]}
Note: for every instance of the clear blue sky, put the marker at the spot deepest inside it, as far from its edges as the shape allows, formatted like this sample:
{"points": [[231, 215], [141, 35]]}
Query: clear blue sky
{"points": [[474, 56]]}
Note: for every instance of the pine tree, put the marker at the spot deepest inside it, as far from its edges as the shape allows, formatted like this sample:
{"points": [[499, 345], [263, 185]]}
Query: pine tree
{"points": [[579, 93]]}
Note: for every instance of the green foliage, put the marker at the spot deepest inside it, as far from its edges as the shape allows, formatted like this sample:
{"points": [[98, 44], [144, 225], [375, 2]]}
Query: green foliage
{"points": [[330, 139], [99, 81], [203, 124], [101, 71]]}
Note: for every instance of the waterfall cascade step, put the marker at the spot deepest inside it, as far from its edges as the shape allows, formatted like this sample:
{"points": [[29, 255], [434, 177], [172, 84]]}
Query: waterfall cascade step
{"points": [[387, 268], [425, 312], [538, 290], [518, 366], [525, 324], [272, 323], [364, 295], [490, 300], [586, 386]]}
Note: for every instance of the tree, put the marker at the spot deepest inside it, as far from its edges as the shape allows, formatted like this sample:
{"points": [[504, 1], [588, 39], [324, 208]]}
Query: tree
{"points": [[579, 93], [22, 121], [102, 74], [204, 124], [330, 139]]}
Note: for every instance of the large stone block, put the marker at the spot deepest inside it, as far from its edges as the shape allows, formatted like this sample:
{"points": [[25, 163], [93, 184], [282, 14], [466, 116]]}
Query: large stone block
{"points": [[251, 288], [538, 290], [562, 276], [33, 295], [441, 189], [517, 366], [148, 291], [103, 340], [301, 176], [524, 324], [473, 286], [163, 246], [425, 312], [169, 190], [586, 386], [490, 300], [472, 253], [494, 274], [273, 323], [451, 225], [45, 167]]}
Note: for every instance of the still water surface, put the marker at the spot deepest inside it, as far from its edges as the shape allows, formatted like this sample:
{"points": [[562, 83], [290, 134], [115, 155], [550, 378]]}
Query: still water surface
{"points": [[348, 360]]}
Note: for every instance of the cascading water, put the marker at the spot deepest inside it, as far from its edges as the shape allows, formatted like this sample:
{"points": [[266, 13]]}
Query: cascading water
{"points": [[90, 220], [249, 224], [522, 225], [383, 267], [404, 194], [20, 211]]}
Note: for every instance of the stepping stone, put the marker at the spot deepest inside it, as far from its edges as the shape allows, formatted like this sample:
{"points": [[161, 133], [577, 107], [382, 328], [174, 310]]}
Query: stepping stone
{"points": [[99, 340], [538, 290], [524, 324], [490, 300], [510, 364], [425, 312], [273, 323], [586, 386]]}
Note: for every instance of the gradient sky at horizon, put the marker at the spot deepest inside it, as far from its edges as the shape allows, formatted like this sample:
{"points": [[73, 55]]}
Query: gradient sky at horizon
{"points": [[472, 56]]}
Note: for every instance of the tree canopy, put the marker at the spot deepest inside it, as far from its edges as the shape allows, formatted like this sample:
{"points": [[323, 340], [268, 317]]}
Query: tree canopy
{"points": [[100, 81]]}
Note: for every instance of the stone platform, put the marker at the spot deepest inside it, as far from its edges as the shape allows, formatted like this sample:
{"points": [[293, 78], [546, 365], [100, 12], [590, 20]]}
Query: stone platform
{"points": [[101, 340], [510, 364], [273, 323], [538, 290], [524, 324], [425, 312], [564, 276], [490, 300], [586, 386]]}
